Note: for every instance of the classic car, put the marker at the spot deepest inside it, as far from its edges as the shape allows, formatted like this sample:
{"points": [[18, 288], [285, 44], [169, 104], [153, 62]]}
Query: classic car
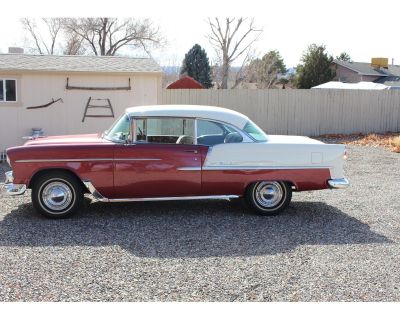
{"points": [[173, 152]]}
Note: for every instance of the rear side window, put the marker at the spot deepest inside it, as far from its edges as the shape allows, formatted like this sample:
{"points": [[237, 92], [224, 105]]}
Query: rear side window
{"points": [[210, 133], [255, 132]]}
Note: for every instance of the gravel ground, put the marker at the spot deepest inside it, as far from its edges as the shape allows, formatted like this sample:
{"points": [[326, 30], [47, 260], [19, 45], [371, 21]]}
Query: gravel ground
{"points": [[340, 245]]}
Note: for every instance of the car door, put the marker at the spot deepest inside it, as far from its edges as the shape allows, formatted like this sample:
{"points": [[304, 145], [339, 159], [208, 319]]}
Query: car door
{"points": [[162, 161]]}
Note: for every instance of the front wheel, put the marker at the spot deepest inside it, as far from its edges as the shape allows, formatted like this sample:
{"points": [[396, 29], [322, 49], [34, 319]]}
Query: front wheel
{"points": [[57, 194], [269, 198]]}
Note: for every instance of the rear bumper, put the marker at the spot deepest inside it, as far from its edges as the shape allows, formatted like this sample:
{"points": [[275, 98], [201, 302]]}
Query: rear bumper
{"points": [[338, 183], [9, 188]]}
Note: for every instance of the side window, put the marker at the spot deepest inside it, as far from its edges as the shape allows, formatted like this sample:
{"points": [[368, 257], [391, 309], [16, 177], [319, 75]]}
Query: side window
{"points": [[165, 130], [8, 90], [210, 133]]}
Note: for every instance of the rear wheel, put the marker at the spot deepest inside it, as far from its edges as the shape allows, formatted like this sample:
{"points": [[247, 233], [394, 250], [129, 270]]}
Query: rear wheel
{"points": [[57, 194], [269, 197]]}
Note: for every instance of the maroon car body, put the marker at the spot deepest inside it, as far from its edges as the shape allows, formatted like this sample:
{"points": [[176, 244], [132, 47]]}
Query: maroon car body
{"points": [[174, 166]]}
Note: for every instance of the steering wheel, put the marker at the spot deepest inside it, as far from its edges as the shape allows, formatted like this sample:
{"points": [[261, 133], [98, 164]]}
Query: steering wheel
{"points": [[183, 139]]}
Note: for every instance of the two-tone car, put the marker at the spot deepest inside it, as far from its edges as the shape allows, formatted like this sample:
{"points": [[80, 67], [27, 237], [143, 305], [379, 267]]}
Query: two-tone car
{"points": [[173, 152]]}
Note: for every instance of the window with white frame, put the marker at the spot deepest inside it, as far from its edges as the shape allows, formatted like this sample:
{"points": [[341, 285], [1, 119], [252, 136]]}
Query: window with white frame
{"points": [[8, 90]]}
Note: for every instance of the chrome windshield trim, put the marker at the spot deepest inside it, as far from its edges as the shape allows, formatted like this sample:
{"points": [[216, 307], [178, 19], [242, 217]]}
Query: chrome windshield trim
{"points": [[87, 160], [98, 196]]}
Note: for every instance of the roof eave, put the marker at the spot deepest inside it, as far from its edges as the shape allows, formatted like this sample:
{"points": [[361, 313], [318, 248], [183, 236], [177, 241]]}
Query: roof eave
{"points": [[358, 72], [81, 71]]}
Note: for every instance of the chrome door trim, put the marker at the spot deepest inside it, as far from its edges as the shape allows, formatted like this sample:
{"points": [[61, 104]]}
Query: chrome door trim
{"points": [[189, 169], [87, 160], [137, 159], [98, 196], [211, 168]]}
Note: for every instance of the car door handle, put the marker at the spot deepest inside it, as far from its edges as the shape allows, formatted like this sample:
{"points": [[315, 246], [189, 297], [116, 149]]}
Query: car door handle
{"points": [[191, 151]]}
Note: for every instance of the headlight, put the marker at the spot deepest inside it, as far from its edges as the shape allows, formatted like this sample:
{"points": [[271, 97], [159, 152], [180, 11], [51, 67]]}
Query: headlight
{"points": [[8, 161], [345, 156]]}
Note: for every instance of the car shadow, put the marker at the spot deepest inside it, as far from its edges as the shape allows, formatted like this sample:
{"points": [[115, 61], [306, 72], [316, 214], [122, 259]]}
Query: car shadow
{"points": [[188, 229]]}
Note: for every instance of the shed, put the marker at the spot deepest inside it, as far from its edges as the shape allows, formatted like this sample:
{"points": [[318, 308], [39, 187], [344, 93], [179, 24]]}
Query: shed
{"points": [[105, 84], [185, 82]]}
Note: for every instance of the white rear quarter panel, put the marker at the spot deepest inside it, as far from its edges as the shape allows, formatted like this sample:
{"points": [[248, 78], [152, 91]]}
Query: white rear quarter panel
{"points": [[278, 153]]}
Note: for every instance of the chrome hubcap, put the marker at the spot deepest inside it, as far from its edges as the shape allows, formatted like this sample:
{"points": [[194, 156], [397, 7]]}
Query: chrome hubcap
{"points": [[268, 194], [57, 196]]}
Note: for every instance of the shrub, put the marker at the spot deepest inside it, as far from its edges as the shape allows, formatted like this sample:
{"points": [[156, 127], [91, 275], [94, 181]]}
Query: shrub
{"points": [[396, 144]]}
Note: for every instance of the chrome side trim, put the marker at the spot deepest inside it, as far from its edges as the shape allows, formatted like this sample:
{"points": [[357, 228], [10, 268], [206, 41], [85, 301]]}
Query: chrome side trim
{"points": [[338, 183], [98, 196], [87, 160], [136, 159], [189, 169], [222, 197], [209, 168]]}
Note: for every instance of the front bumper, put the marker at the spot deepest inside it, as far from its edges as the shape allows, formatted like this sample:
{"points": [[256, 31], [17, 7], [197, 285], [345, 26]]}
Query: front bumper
{"points": [[338, 183], [8, 188]]}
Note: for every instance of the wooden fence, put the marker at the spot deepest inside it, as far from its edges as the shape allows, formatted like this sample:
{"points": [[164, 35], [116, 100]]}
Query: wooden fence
{"points": [[303, 112]]}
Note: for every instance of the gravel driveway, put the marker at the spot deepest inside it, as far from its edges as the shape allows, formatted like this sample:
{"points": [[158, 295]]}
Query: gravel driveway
{"points": [[328, 246]]}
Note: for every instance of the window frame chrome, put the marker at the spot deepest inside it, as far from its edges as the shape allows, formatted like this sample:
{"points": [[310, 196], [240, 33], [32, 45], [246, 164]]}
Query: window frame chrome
{"points": [[133, 127]]}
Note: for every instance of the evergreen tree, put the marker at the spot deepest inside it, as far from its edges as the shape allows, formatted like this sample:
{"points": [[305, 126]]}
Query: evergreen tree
{"points": [[264, 72], [196, 65], [315, 68], [344, 56]]}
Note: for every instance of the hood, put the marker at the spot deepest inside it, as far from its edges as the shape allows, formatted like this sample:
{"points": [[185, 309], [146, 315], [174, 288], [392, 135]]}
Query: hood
{"points": [[291, 139], [69, 139]]}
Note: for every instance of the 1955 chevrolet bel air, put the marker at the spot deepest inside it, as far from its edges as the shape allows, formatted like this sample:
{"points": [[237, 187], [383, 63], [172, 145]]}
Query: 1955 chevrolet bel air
{"points": [[172, 152]]}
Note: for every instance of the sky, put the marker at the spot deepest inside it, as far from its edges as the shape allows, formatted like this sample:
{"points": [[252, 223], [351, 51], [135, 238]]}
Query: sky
{"points": [[364, 29]]}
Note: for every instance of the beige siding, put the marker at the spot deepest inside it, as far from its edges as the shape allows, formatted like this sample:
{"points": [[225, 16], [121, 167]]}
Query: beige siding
{"points": [[66, 118], [303, 112]]}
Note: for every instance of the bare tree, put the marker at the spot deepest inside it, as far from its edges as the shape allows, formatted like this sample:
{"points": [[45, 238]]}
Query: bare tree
{"points": [[231, 38], [242, 73], [74, 45], [44, 44], [105, 36]]}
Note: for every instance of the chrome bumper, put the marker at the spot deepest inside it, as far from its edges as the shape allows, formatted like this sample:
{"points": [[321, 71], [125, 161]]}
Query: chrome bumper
{"points": [[338, 183], [8, 188]]}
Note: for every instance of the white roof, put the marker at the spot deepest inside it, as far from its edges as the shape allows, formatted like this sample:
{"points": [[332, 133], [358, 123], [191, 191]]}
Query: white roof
{"points": [[362, 85], [190, 111]]}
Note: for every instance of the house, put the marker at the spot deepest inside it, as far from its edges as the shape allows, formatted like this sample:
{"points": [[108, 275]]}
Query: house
{"points": [[378, 71], [362, 85], [70, 94], [185, 82]]}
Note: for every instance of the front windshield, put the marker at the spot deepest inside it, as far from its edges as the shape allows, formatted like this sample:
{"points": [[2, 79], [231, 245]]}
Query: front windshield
{"points": [[255, 132], [119, 131]]}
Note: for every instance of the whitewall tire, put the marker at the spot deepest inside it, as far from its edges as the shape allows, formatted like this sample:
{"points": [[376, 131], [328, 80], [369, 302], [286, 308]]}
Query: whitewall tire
{"points": [[57, 194], [269, 197]]}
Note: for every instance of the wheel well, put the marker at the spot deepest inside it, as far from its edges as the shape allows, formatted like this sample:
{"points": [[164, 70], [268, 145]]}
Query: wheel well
{"points": [[55, 170], [290, 183]]}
